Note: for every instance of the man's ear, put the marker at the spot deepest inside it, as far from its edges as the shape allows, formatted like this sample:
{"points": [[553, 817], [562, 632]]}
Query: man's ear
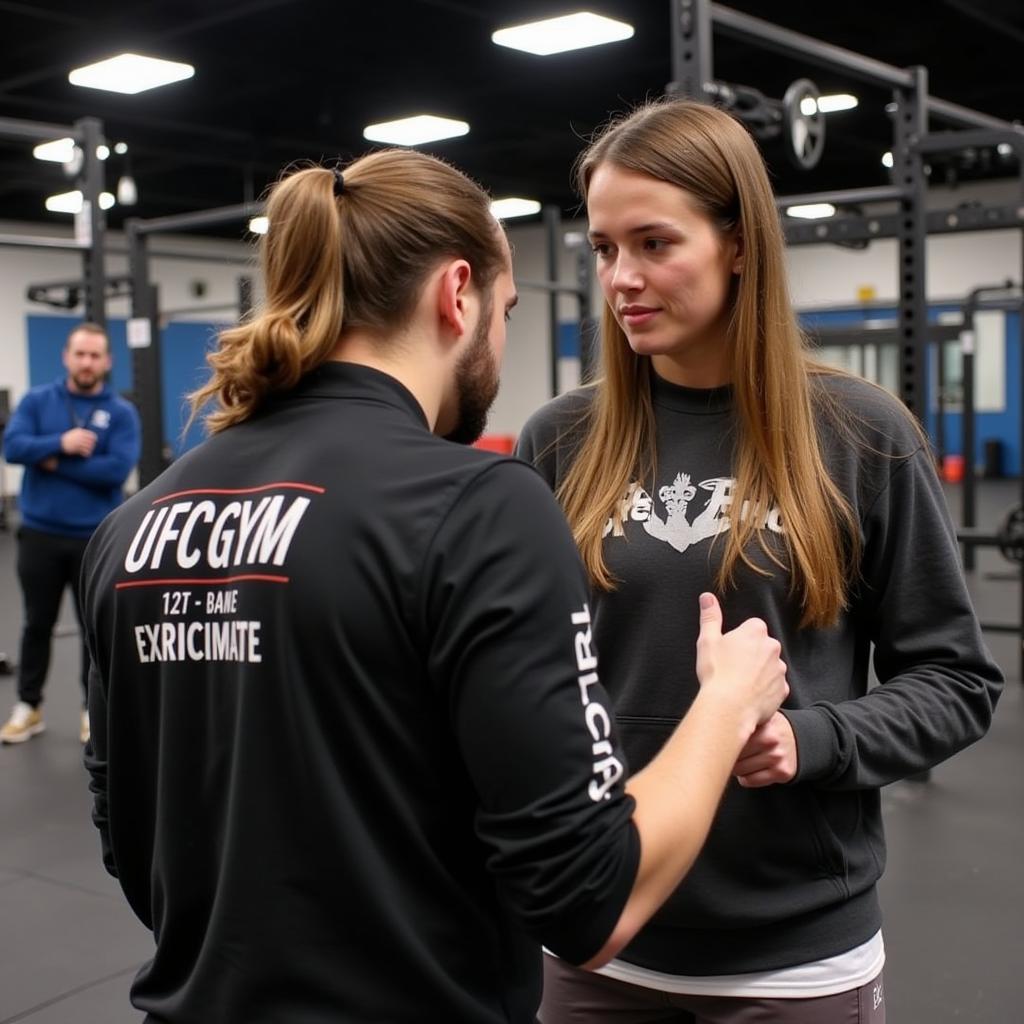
{"points": [[453, 295]]}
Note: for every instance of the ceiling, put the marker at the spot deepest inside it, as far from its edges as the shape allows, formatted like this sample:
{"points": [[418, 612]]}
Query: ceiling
{"points": [[282, 80]]}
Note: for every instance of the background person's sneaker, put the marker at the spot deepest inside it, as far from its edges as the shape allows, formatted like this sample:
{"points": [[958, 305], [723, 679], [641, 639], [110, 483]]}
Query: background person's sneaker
{"points": [[24, 723]]}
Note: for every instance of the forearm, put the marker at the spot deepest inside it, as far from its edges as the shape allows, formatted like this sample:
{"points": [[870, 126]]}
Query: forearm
{"points": [[907, 725], [100, 471], [29, 449], [677, 796]]}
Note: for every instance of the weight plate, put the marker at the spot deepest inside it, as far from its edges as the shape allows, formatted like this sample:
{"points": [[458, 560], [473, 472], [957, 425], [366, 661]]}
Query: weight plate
{"points": [[1011, 535]]}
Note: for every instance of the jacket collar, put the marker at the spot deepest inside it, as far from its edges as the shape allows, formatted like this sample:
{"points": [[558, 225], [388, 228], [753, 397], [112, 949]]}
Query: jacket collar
{"points": [[334, 379]]}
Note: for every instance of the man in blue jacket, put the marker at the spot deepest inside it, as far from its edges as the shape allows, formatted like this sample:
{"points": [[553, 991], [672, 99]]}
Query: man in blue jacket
{"points": [[78, 442]]}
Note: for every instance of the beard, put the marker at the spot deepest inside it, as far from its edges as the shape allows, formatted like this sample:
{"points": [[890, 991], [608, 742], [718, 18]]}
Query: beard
{"points": [[476, 385], [86, 380]]}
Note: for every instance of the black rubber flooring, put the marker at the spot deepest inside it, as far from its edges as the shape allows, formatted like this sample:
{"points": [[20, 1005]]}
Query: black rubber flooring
{"points": [[953, 892]]}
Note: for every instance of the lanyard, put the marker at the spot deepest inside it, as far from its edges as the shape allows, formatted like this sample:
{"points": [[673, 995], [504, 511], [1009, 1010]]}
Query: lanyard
{"points": [[76, 419]]}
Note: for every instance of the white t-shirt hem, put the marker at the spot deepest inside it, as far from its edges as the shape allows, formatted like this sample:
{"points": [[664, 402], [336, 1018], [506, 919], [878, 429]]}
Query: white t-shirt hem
{"points": [[827, 977]]}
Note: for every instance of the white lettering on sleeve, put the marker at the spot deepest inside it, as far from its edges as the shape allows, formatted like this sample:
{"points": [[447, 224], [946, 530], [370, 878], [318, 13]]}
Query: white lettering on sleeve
{"points": [[607, 768]]}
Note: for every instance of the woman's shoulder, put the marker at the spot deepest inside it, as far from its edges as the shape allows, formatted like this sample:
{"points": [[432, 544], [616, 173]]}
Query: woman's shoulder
{"points": [[567, 414], [857, 409]]}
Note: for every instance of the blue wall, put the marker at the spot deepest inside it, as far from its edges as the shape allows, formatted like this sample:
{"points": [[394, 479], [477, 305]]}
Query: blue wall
{"points": [[1003, 426], [182, 361]]}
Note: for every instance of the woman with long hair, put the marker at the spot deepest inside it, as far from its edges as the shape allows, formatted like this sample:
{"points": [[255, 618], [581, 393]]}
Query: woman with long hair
{"points": [[714, 454]]}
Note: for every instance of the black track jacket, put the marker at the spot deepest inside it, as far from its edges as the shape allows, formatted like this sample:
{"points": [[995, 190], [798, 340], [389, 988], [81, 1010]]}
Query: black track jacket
{"points": [[350, 758]]}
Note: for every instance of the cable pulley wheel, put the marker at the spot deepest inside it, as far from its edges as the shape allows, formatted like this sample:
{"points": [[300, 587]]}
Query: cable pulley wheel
{"points": [[804, 130]]}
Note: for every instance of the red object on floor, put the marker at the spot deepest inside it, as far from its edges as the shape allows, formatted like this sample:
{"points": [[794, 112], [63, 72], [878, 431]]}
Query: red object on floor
{"points": [[501, 443], [953, 469]]}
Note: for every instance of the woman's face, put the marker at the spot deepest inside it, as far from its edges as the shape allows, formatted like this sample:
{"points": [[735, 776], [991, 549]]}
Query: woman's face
{"points": [[666, 272]]}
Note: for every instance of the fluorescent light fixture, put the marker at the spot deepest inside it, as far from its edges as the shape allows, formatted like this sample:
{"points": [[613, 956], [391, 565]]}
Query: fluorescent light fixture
{"points": [[259, 225], [130, 73], [71, 202], [809, 106], [60, 151], [558, 35], [1004, 149], [411, 131], [811, 211], [887, 160], [837, 101], [505, 209]]}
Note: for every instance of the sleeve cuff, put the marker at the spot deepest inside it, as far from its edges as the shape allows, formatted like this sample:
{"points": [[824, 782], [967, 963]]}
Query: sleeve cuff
{"points": [[815, 743]]}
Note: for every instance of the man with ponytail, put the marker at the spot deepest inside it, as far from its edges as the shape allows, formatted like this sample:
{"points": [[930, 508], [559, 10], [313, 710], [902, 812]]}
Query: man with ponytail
{"points": [[351, 756], [714, 455]]}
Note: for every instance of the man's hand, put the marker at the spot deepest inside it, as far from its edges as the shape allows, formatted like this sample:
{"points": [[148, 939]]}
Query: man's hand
{"points": [[770, 755], [742, 665], [49, 463], [78, 441]]}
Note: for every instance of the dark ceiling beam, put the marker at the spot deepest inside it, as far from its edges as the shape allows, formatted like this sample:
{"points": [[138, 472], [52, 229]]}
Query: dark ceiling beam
{"points": [[244, 10], [466, 10], [39, 13], [221, 17], [992, 21]]}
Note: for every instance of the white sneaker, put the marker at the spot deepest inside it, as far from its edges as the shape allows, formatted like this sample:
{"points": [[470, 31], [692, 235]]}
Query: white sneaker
{"points": [[24, 723], [83, 730]]}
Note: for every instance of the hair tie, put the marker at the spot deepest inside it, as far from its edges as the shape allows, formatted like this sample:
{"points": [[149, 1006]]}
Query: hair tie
{"points": [[339, 182]]}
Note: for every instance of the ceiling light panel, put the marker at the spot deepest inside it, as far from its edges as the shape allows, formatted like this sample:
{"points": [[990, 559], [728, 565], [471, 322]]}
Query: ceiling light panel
{"points": [[559, 35], [514, 206], [811, 211], [413, 131], [130, 73]]}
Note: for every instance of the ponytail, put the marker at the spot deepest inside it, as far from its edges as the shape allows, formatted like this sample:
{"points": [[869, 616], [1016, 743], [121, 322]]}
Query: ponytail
{"points": [[345, 253], [301, 320]]}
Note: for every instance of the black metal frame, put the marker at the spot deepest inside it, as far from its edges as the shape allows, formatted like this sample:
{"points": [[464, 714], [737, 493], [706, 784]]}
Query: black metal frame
{"points": [[91, 223], [582, 290], [692, 22]]}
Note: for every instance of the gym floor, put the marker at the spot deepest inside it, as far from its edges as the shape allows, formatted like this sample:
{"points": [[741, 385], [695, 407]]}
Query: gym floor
{"points": [[953, 892]]}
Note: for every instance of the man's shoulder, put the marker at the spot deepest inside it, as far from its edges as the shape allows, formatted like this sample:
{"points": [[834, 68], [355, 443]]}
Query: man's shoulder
{"points": [[41, 392], [116, 402], [126, 411]]}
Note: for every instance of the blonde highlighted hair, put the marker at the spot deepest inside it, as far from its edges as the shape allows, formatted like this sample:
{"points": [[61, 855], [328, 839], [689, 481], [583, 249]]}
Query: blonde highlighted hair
{"points": [[778, 460], [341, 254]]}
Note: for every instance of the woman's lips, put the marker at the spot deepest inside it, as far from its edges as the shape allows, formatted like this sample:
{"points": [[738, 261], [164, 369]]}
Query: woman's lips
{"points": [[637, 316]]}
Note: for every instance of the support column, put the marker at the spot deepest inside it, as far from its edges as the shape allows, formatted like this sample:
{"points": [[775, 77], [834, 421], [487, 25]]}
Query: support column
{"points": [[910, 124], [91, 222], [690, 34], [145, 347]]}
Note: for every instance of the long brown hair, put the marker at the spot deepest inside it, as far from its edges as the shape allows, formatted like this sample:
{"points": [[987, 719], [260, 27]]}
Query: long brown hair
{"points": [[344, 253], [778, 459]]}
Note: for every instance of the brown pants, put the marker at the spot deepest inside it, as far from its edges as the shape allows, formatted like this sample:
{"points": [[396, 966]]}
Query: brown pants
{"points": [[575, 996]]}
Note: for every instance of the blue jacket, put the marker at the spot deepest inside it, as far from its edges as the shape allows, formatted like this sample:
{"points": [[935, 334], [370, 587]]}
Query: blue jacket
{"points": [[74, 498]]}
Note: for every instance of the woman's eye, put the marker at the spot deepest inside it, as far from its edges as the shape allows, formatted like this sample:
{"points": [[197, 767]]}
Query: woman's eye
{"points": [[601, 248]]}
